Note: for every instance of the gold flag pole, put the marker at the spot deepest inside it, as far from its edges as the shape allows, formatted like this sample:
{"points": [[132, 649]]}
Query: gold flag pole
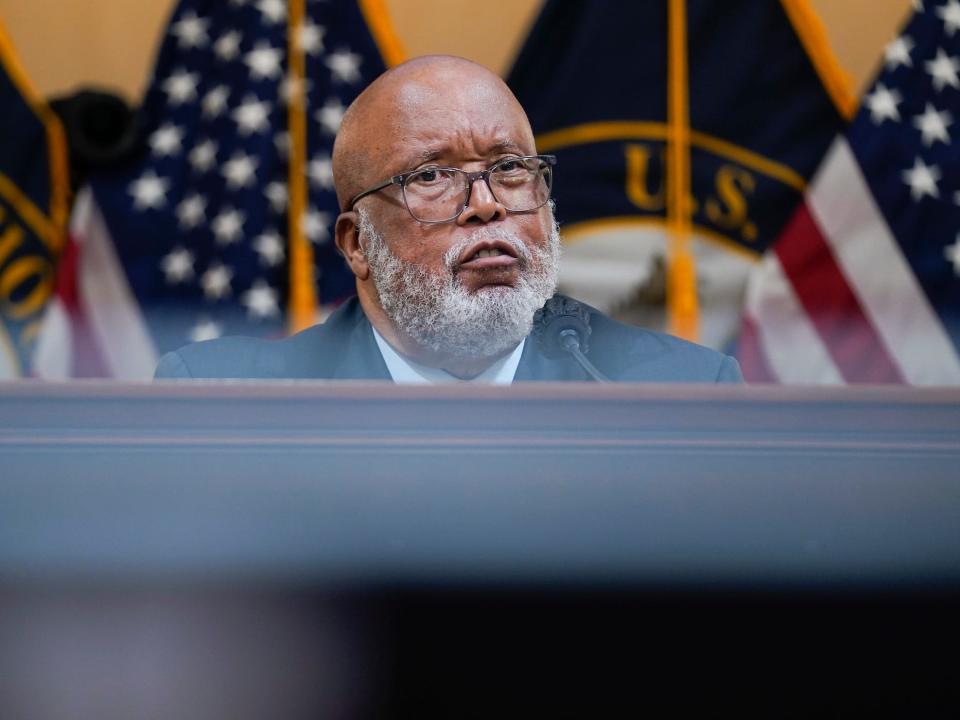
{"points": [[682, 306], [302, 299]]}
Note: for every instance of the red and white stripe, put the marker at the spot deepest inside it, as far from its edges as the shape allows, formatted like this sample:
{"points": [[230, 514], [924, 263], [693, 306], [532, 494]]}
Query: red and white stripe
{"points": [[836, 301], [93, 327]]}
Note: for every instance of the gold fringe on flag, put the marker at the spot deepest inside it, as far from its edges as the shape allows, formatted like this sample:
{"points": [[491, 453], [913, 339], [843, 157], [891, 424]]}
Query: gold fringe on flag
{"points": [[378, 20], [813, 35]]}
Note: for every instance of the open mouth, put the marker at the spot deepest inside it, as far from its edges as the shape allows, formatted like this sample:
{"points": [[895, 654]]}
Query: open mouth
{"points": [[489, 253]]}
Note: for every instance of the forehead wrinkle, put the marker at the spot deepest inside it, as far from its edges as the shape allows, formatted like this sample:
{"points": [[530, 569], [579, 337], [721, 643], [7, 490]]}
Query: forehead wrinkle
{"points": [[505, 146], [452, 150], [495, 148]]}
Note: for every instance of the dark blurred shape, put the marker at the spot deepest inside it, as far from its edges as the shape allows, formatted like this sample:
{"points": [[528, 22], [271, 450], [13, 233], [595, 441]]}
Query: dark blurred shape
{"points": [[194, 652], [670, 652], [288, 649], [102, 131]]}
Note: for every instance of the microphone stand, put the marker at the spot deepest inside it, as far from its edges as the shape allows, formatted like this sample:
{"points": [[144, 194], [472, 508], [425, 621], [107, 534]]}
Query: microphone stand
{"points": [[563, 328], [569, 340]]}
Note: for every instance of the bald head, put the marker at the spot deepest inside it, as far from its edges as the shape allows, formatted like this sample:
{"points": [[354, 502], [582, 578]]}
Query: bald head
{"points": [[404, 115], [459, 293]]}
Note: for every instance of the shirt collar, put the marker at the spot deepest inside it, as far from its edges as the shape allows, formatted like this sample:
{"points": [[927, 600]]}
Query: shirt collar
{"points": [[405, 370]]}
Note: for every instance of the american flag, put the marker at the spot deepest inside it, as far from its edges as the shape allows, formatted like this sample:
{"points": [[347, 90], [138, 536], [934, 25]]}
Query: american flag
{"points": [[189, 241], [864, 284]]}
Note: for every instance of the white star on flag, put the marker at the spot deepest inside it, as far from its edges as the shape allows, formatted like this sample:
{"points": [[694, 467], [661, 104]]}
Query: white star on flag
{"points": [[281, 141], [269, 247], [177, 266], [882, 103], [264, 62], [310, 38], [320, 172], [216, 282], [261, 300], [330, 115], [181, 87], [240, 170], [149, 191], [251, 116], [922, 179], [933, 125], [344, 66], [315, 225], [897, 53], [952, 254], [943, 69], [191, 211], [203, 156], [205, 329], [950, 14], [276, 193], [215, 101], [166, 140], [273, 10], [190, 30], [228, 226], [227, 46]]}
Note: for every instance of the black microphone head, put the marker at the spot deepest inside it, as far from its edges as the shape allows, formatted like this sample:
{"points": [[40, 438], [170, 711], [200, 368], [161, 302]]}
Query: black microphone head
{"points": [[558, 314]]}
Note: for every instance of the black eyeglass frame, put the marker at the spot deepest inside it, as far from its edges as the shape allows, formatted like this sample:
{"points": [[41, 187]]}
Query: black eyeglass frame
{"points": [[472, 177]]}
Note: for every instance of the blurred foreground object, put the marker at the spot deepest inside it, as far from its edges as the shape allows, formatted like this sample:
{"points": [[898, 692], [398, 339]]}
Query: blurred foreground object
{"points": [[864, 284], [101, 131], [687, 131], [207, 550], [33, 211], [219, 221]]}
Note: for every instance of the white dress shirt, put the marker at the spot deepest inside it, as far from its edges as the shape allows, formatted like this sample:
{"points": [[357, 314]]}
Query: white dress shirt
{"points": [[405, 370]]}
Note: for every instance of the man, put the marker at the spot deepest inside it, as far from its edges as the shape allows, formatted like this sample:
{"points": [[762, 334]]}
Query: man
{"points": [[448, 227]]}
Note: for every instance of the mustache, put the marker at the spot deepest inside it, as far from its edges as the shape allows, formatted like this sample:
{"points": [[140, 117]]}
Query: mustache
{"points": [[450, 257]]}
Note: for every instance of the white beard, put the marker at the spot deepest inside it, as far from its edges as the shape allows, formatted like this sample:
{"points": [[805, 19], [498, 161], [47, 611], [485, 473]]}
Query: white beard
{"points": [[438, 313]]}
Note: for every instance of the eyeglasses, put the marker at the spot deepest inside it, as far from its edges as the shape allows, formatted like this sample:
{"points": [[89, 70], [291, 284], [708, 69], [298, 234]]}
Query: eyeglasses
{"points": [[441, 194]]}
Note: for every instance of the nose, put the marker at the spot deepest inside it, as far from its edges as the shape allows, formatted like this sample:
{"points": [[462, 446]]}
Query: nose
{"points": [[482, 206]]}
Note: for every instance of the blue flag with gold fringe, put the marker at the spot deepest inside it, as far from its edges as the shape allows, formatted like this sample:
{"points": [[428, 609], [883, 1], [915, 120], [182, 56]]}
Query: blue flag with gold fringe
{"points": [[686, 132], [33, 209]]}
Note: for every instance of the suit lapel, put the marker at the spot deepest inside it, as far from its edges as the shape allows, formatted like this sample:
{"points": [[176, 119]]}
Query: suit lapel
{"points": [[361, 359], [536, 367]]}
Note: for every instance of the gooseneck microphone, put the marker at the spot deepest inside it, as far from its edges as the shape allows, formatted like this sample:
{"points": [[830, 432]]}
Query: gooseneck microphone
{"points": [[562, 327]]}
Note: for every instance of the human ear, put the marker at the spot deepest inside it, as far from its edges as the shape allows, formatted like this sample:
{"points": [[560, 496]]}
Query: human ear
{"points": [[349, 244]]}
